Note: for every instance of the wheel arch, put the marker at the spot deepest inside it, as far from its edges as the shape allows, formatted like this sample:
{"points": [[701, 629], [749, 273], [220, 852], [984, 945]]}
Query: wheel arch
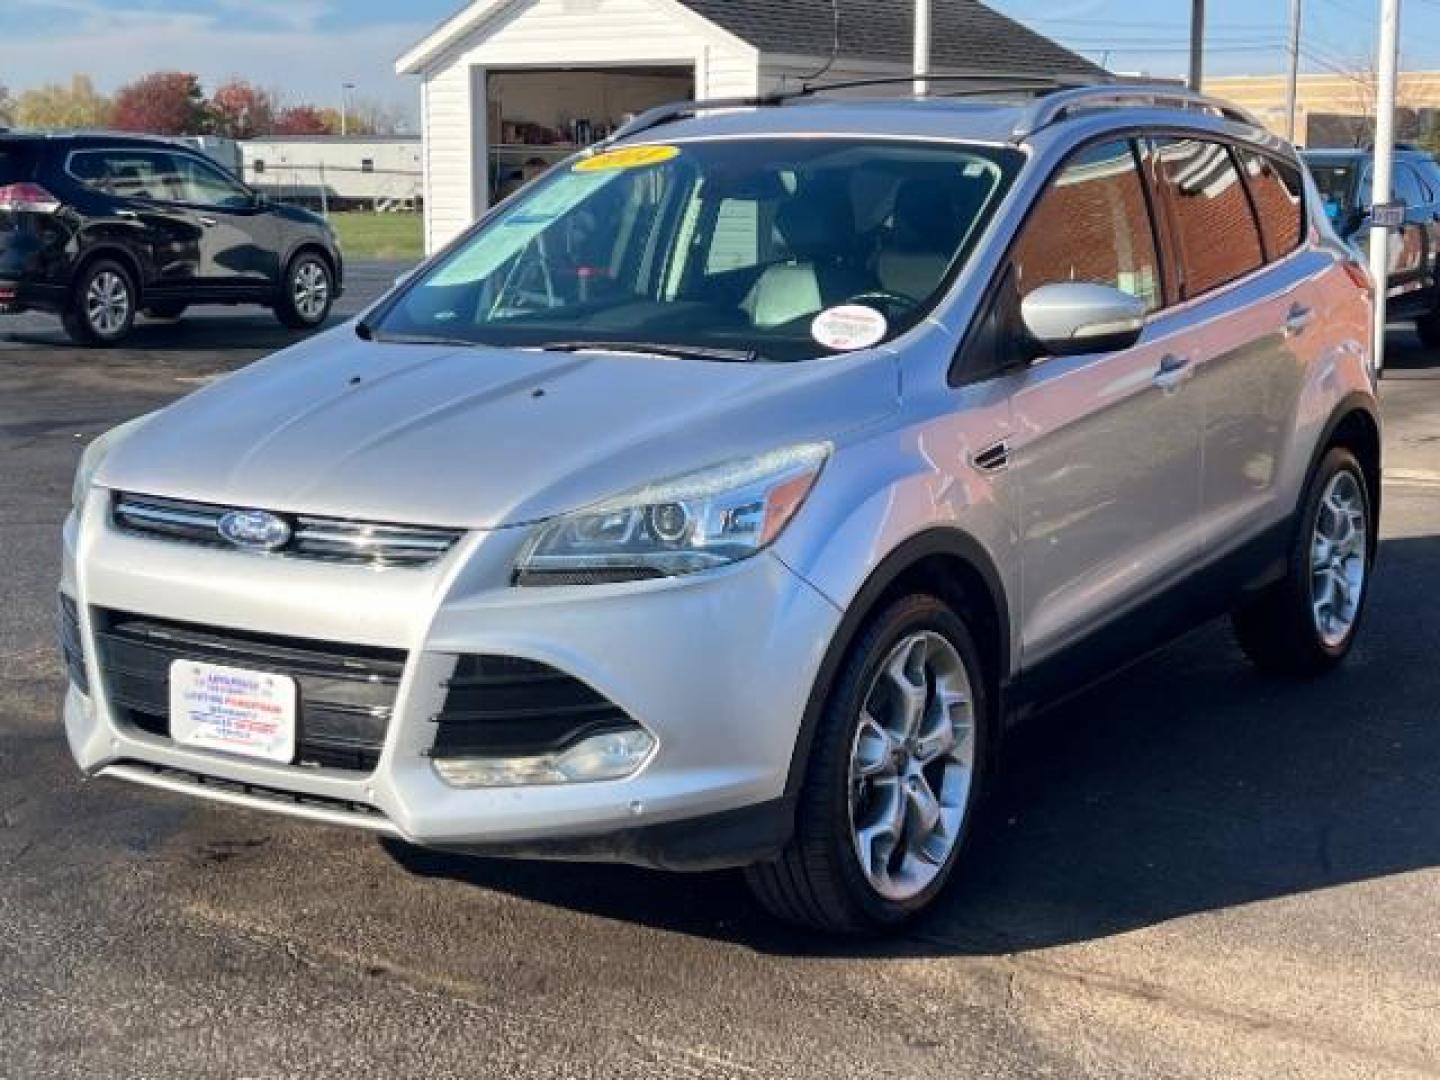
{"points": [[1356, 426], [941, 561], [114, 253]]}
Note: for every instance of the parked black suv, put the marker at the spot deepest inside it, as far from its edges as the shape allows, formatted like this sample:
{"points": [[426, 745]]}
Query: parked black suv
{"points": [[100, 227], [1343, 177]]}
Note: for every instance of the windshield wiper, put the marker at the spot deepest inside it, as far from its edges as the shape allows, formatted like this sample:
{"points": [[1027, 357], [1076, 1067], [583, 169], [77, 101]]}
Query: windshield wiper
{"points": [[369, 333], [679, 352]]}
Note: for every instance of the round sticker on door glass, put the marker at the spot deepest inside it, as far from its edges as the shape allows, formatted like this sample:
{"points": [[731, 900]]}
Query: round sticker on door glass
{"points": [[848, 327], [629, 157]]}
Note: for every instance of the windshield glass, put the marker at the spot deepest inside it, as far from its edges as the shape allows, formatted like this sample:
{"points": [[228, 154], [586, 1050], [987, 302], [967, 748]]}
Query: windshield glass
{"points": [[742, 248]]}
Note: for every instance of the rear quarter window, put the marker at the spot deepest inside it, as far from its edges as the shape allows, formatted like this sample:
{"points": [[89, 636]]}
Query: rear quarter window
{"points": [[1279, 198]]}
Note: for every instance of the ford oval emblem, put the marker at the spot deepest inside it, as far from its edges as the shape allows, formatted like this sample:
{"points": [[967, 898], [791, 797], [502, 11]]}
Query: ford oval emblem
{"points": [[257, 530]]}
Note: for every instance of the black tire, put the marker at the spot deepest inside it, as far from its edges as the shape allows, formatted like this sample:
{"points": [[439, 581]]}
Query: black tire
{"points": [[168, 309], [817, 880], [292, 308], [1278, 628], [1428, 327], [102, 305]]}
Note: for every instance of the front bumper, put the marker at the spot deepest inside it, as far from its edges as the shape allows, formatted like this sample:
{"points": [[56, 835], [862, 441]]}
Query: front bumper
{"points": [[717, 667]]}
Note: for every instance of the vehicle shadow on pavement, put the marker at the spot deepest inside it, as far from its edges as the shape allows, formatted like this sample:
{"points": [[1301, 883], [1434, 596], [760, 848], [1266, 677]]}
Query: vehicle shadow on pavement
{"points": [[1187, 784], [202, 334]]}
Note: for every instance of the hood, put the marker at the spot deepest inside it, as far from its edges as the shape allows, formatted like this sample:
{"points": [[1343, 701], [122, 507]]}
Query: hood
{"points": [[478, 437]]}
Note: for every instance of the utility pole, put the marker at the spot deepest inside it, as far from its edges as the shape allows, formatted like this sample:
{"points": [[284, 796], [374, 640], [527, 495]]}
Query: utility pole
{"points": [[1197, 43], [1381, 186], [1292, 92], [922, 47]]}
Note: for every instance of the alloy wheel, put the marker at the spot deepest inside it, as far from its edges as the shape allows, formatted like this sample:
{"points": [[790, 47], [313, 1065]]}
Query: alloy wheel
{"points": [[107, 303], [311, 290], [912, 764], [1338, 559]]}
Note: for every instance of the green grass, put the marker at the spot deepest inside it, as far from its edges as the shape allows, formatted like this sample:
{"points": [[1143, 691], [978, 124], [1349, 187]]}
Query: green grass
{"points": [[379, 236]]}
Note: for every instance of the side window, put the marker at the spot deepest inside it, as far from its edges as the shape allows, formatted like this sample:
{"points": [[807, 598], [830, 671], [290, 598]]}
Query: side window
{"points": [[1279, 201], [125, 174], [201, 184], [1214, 224], [1092, 225]]}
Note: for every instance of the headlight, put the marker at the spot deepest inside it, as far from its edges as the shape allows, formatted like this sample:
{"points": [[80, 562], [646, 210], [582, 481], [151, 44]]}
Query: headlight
{"points": [[96, 453], [692, 522]]}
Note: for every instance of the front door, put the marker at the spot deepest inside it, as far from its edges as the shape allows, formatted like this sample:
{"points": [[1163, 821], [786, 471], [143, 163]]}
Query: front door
{"points": [[237, 245], [1106, 453]]}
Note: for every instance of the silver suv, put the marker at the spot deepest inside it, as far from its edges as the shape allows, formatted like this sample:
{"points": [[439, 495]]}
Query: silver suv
{"points": [[721, 499]]}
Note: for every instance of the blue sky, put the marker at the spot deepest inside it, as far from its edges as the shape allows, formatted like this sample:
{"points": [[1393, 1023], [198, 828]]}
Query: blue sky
{"points": [[307, 48]]}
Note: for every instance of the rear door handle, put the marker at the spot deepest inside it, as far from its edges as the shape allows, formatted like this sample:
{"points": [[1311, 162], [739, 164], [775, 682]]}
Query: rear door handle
{"points": [[1299, 320], [129, 215], [208, 222], [1171, 371]]}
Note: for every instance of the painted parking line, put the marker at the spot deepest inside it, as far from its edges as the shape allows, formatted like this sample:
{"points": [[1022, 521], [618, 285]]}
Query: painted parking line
{"points": [[1425, 478]]}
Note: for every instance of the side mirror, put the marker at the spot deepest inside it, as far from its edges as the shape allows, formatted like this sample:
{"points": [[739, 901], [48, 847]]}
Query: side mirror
{"points": [[1075, 318]]}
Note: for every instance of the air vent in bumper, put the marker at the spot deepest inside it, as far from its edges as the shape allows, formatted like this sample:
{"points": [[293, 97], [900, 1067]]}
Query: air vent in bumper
{"points": [[324, 538], [71, 644], [502, 706], [346, 692]]}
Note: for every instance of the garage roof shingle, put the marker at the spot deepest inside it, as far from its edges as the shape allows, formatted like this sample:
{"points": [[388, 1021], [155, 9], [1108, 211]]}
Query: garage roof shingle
{"points": [[963, 33]]}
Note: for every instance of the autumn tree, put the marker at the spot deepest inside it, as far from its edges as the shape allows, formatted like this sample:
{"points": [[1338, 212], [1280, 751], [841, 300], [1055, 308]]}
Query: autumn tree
{"points": [[7, 106], [302, 120], [57, 107], [241, 110], [163, 103]]}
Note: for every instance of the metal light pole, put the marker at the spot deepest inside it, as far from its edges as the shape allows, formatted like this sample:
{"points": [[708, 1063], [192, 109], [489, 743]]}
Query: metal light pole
{"points": [[922, 47], [1382, 213], [1292, 92], [345, 89], [1197, 43]]}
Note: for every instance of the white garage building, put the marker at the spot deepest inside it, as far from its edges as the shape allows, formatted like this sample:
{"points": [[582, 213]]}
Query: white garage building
{"points": [[511, 85]]}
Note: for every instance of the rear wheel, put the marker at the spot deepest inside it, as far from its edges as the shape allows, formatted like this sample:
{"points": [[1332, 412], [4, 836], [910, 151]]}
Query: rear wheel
{"points": [[307, 292], [894, 775], [1306, 623], [102, 307]]}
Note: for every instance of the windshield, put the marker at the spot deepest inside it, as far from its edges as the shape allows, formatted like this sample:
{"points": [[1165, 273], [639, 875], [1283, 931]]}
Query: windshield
{"points": [[770, 249]]}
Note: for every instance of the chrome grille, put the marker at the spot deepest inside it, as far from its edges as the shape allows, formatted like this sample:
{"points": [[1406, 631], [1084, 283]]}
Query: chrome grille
{"points": [[340, 540]]}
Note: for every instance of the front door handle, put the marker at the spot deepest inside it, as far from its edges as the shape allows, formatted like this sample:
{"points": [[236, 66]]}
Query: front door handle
{"points": [[208, 222], [128, 215], [1171, 371], [1298, 321]]}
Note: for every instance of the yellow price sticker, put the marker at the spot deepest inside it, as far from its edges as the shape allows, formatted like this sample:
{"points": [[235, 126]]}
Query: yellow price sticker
{"points": [[629, 157]]}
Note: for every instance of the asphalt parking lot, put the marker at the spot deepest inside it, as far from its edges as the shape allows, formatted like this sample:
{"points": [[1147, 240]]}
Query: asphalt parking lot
{"points": [[1189, 872]]}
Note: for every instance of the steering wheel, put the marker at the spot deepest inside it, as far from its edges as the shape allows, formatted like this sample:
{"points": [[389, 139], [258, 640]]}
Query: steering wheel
{"points": [[884, 296]]}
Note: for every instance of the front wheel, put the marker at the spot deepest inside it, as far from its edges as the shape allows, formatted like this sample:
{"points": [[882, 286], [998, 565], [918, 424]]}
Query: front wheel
{"points": [[1306, 623], [307, 292], [102, 307], [893, 779]]}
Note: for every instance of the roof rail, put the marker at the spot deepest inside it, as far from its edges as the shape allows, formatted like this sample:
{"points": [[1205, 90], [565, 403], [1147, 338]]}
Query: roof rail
{"points": [[979, 83], [1055, 107]]}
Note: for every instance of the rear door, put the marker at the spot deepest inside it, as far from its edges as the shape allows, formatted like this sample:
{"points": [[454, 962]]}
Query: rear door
{"points": [[238, 241], [1106, 454], [130, 199], [1246, 320]]}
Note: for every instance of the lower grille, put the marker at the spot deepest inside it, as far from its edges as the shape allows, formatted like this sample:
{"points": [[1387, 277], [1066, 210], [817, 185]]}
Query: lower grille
{"points": [[502, 706], [71, 645], [346, 693]]}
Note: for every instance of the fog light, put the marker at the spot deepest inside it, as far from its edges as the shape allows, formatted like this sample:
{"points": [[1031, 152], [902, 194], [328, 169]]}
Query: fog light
{"points": [[611, 756]]}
